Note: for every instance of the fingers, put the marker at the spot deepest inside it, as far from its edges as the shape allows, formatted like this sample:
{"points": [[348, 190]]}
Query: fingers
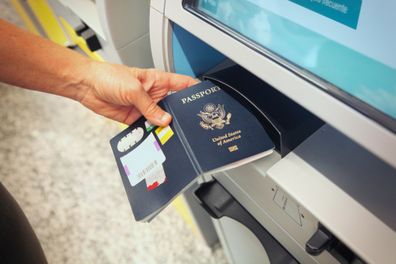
{"points": [[146, 105], [167, 80], [162, 82], [132, 116], [177, 82]]}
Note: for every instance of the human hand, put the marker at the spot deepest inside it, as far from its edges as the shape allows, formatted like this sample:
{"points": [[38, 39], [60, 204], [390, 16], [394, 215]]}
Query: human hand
{"points": [[124, 94]]}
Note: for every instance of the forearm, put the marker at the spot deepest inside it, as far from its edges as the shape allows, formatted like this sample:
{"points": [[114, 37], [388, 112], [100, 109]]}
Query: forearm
{"points": [[115, 91], [38, 64]]}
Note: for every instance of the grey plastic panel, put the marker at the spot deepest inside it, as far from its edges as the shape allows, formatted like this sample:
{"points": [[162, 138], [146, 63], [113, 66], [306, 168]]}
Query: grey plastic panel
{"points": [[219, 203], [124, 21], [346, 189], [201, 218], [137, 53], [240, 244], [360, 174], [126, 27]]}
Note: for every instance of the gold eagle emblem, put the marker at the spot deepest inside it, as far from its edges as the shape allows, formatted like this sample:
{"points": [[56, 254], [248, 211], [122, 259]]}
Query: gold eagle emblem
{"points": [[214, 116]]}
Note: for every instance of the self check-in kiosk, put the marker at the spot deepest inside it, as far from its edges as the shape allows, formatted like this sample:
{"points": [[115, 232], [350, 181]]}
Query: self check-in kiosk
{"points": [[324, 75]]}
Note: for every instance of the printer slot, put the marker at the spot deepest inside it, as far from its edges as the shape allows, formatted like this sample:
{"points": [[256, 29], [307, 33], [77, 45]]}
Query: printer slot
{"points": [[218, 202]]}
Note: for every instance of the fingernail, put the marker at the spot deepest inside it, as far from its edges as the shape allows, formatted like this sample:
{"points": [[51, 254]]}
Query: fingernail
{"points": [[165, 117]]}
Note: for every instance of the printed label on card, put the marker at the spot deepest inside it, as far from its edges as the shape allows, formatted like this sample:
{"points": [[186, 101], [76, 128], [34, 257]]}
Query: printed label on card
{"points": [[143, 161], [155, 179]]}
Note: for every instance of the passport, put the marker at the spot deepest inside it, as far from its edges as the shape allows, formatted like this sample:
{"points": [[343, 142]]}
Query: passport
{"points": [[211, 131]]}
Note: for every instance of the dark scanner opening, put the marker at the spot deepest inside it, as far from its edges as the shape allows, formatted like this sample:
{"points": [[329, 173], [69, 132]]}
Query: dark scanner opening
{"points": [[286, 122]]}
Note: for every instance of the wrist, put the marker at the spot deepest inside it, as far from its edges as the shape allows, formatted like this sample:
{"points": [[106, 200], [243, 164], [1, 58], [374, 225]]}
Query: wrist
{"points": [[83, 77]]}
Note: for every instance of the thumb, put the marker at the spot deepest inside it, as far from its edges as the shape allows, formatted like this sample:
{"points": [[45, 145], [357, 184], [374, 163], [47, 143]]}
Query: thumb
{"points": [[151, 111]]}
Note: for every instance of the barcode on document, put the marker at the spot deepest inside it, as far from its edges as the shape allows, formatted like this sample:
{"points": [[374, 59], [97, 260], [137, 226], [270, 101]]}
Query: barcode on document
{"points": [[147, 170]]}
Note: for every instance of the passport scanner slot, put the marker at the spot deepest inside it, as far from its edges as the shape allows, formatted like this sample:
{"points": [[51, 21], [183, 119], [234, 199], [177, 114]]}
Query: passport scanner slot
{"points": [[287, 123]]}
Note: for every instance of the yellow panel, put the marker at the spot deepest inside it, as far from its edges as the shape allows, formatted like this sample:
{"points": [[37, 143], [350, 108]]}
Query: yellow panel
{"points": [[79, 41], [181, 207], [48, 21], [25, 17]]}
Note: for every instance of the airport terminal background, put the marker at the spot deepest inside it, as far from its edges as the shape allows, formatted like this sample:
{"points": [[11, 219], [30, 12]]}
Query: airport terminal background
{"points": [[57, 162]]}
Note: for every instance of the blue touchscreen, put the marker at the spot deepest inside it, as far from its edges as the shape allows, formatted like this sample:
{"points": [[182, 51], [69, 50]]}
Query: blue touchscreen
{"points": [[349, 43]]}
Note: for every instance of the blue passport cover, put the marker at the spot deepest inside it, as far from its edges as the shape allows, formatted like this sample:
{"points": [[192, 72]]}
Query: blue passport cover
{"points": [[210, 130]]}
